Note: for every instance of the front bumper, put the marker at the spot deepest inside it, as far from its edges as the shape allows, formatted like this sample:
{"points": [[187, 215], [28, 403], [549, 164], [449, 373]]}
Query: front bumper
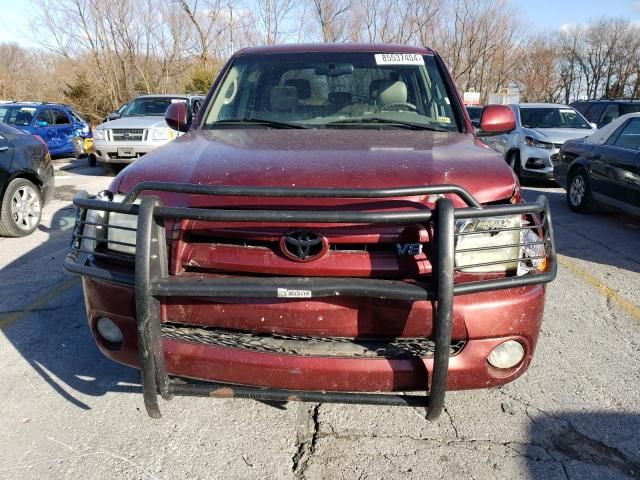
{"points": [[111, 152], [536, 162], [165, 361]]}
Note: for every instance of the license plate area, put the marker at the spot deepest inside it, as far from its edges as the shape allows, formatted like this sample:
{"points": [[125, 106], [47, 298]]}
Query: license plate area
{"points": [[126, 152]]}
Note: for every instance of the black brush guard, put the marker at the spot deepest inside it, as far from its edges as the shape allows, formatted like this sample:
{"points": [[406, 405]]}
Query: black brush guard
{"points": [[152, 280]]}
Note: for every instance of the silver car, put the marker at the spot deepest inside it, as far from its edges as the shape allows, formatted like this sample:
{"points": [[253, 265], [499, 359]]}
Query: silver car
{"points": [[541, 129], [140, 129]]}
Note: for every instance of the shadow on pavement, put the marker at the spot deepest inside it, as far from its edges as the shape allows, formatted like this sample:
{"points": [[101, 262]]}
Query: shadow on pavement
{"points": [[52, 335], [586, 445]]}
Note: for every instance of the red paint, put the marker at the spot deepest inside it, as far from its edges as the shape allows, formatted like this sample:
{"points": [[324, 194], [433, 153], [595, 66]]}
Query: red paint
{"points": [[497, 119], [367, 158]]}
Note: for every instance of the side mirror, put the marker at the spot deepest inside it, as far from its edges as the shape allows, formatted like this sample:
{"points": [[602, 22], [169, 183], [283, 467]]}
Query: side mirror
{"points": [[178, 116], [497, 119], [42, 123], [593, 125]]}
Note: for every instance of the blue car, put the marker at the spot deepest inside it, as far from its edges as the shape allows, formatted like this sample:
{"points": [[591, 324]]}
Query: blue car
{"points": [[62, 129]]}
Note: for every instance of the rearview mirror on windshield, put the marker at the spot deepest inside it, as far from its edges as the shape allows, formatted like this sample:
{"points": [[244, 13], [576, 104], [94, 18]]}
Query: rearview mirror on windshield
{"points": [[334, 69]]}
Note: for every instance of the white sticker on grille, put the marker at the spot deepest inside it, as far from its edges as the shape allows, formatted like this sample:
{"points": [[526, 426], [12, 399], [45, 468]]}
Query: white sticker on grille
{"points": [[288, 293]]}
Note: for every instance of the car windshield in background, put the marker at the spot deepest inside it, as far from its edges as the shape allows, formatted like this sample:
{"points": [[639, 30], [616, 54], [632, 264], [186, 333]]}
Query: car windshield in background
{"points": [[552, 118], [14, 115], [149, 107], [333, 90], [474, 113], [630, 108]]}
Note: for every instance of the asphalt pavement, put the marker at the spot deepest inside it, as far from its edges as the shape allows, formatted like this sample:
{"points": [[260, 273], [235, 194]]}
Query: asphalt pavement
{"points": [[68, 412]]}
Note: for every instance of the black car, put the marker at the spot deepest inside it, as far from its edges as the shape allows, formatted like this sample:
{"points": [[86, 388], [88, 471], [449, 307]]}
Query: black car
{"points": [[603, 112], [603, 168], [26, 181], [475, 114]]}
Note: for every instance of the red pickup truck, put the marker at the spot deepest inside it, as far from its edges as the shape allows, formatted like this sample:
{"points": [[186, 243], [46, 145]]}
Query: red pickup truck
{"points": [[329, 229]]}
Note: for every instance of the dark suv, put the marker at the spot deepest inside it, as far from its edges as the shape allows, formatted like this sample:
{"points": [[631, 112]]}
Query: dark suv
{"points": [[328, 229], [602, 112]]}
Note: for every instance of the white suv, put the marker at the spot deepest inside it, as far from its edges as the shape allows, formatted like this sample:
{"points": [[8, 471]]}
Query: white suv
{"points": [[140, 129], [541, 129]]}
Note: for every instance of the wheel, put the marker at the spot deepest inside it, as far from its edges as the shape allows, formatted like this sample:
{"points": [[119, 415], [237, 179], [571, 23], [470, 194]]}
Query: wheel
{"points": [[579, 198], [92, 159], [21, 208], [514, 163]]}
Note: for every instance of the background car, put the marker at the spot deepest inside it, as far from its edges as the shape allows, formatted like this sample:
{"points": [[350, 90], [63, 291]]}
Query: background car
{"points": [[603, 112], [116, 114], [603, 168], [541, 129], [62, 129], [26, 181], [475, 113], [139, 130]]}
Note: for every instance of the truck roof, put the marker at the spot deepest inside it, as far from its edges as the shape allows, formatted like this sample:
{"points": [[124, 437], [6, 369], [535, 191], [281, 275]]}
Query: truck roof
{"points": [[336, 47]]}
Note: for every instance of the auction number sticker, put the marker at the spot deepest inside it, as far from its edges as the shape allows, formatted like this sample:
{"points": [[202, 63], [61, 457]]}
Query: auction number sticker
{"points": [[399, 59], [290, 293]]}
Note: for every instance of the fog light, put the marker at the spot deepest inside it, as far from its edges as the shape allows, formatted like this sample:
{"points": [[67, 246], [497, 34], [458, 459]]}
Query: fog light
{"points": [[110, 332], [507, 354]]}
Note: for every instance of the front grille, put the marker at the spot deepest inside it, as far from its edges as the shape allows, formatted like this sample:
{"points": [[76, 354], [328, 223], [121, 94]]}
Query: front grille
{"points": [[307, 345], [127, 134]]}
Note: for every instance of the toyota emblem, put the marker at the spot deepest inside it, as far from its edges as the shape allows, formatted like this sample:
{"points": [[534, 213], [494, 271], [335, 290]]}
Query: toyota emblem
{"points": [[303, 245]]}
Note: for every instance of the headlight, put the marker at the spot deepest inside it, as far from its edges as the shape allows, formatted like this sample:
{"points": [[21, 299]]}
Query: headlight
{"points": [[162, 134], [96, 227], [532, 142], [99, 134], [494, 248], [499, 244]]}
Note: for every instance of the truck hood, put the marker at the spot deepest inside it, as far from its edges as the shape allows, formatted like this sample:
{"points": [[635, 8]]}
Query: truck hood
{"points": [[560, 135], [136, 122], [366, 158]]}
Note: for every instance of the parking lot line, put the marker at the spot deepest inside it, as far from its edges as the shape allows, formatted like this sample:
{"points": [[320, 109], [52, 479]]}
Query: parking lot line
{"points": [[608, 292], [40, 301]]}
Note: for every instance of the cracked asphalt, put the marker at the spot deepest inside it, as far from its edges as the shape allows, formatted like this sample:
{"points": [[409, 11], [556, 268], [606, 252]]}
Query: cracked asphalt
{"points": [[67, 412]]}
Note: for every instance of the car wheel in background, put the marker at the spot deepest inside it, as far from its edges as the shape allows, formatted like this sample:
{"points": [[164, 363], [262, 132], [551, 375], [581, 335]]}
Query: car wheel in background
{"points": [[579, 197], [92, 160], [514, 162], [21, 208]]}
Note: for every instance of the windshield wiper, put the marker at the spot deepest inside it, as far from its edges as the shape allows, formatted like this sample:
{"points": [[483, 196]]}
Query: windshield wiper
{"points": [[388, 121], [257, 121]]}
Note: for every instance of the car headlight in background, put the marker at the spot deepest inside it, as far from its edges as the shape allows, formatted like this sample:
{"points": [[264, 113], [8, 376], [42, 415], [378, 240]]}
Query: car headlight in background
{"points": [[162, 134], [532, 142], [499, 244], [99, 134]]}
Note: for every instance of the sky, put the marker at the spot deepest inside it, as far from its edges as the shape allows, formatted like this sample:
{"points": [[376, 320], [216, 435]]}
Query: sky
{"points": [[16, 15]]}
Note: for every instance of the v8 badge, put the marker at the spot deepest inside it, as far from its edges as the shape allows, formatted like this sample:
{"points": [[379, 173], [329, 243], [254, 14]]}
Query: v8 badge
{"points": [[408, 249]]}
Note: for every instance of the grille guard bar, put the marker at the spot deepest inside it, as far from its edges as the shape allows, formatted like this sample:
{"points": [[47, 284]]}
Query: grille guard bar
{"points": [[152, 281]]}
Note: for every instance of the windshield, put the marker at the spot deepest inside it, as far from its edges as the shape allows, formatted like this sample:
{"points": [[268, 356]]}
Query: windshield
{"points": [[333, 90], [153, 107], [16, 115], [547, 117], [630, 108]]}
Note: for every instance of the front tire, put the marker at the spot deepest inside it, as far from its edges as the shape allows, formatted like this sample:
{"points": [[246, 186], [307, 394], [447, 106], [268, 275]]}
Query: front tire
{"points": [[21, 209], [579, 198], [514, 163], [92, 160]]}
